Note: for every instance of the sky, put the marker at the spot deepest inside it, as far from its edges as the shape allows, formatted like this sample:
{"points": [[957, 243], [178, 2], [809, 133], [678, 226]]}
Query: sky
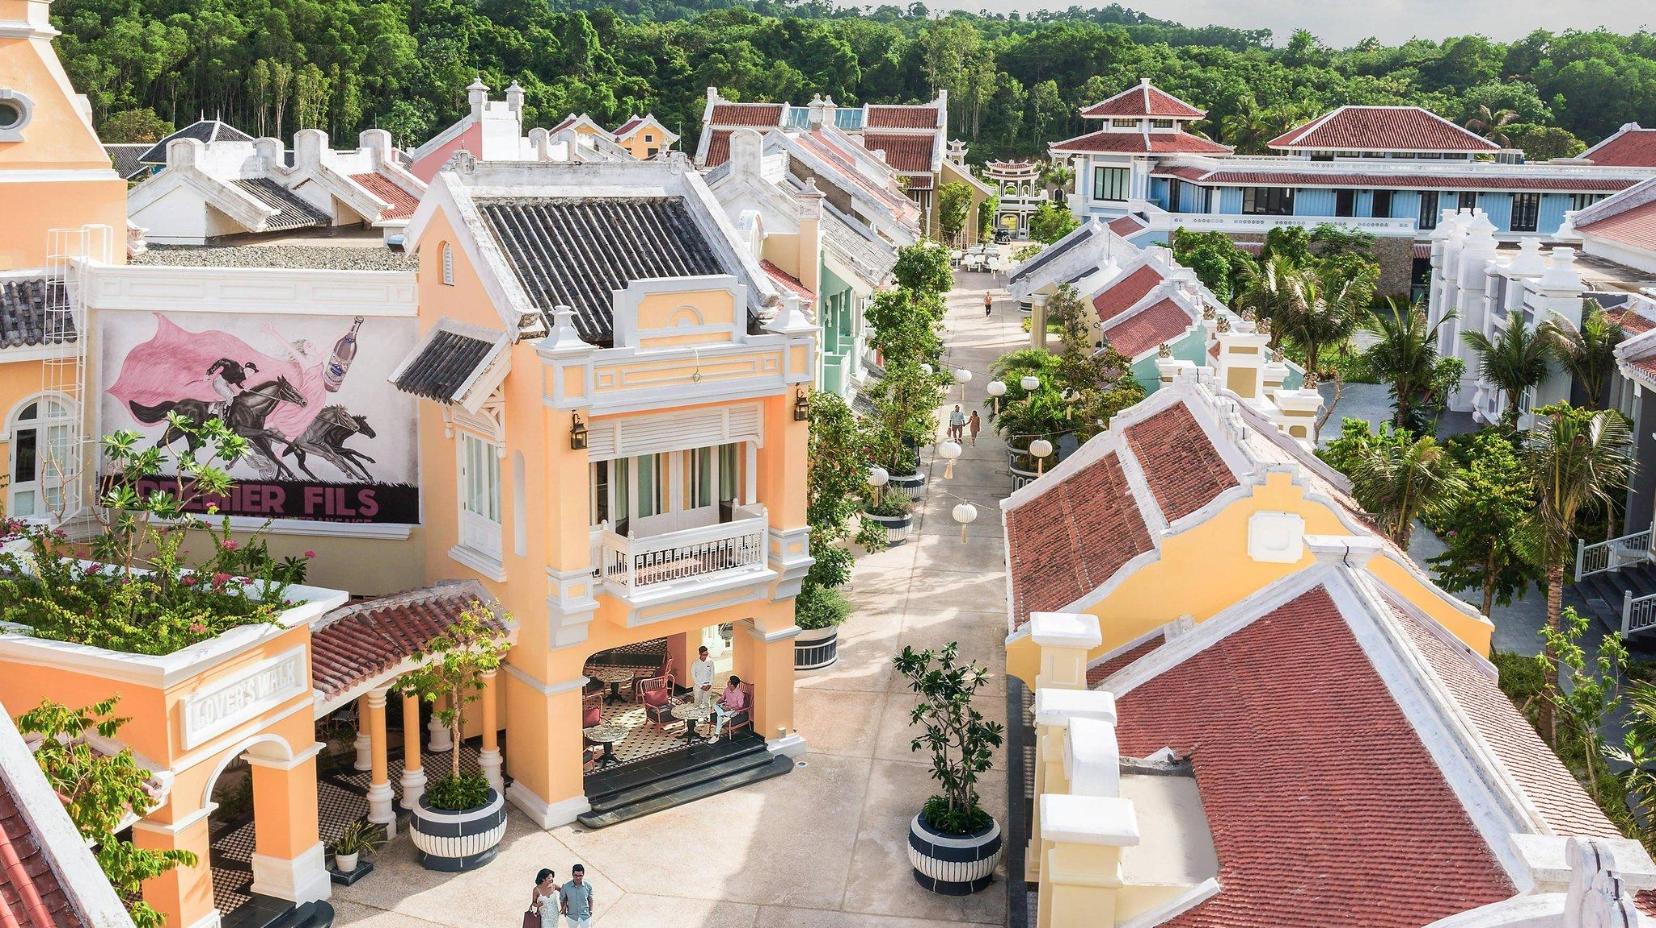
{"points": [[1345, 22]]}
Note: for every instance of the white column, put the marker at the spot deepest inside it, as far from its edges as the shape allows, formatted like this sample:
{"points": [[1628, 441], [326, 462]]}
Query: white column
{"points": [[440, 740], [364, 743]]}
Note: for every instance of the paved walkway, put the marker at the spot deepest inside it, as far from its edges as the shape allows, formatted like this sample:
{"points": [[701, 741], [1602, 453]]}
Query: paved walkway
{"points": [[825, 846]]}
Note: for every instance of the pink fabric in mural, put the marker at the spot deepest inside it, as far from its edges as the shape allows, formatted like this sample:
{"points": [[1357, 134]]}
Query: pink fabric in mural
{"points": [[173, 364]]}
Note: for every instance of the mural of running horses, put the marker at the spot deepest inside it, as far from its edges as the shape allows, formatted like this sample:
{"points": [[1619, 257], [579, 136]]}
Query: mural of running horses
{"points": [[325, 437], [245, 415]]}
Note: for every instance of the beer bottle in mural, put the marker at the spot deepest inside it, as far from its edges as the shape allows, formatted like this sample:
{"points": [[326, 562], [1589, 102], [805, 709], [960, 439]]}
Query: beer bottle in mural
{"points": [[340, 361]]}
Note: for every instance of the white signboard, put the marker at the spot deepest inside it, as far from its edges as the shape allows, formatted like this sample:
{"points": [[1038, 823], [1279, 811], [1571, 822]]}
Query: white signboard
{"points": [[229, 702]]}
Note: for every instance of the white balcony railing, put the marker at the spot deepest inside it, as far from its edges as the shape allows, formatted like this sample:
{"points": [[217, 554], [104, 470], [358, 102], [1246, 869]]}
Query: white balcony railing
{"points": [[633, 566], [1238, 222], [1638, 613]]}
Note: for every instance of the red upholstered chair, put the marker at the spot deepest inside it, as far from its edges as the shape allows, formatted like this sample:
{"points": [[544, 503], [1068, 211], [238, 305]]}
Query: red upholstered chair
{"points": [[733, 726], [656, 695], [592, 710]]}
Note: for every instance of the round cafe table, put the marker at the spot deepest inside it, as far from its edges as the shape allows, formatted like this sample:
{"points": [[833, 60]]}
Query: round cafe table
{"points": [[691, 714], [614, 676], [606, 735]]}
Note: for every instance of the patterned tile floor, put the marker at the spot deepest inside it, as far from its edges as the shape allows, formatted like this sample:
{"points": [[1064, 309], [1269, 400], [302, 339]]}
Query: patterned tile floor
{"points": [[340, 799], [644, 740]]}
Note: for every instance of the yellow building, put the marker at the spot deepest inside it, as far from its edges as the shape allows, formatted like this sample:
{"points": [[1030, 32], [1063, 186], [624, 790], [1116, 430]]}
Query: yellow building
{"points": [[614, 438]]}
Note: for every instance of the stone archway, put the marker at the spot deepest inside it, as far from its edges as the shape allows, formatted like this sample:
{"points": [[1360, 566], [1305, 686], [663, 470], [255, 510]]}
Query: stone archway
{"points": [[228, 796]]}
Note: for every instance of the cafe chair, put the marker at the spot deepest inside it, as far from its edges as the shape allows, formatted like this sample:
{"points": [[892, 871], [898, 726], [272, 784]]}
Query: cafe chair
{"points": [[656, 696], [733, 726]]}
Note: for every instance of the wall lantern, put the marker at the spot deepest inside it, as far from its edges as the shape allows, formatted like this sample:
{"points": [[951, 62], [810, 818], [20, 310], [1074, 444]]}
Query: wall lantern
{"points": [[577, 432], [802, 406]]}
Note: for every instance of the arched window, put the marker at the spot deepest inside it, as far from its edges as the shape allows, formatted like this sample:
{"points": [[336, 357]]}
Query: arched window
{"points": [[40, 439], [445, 252]]}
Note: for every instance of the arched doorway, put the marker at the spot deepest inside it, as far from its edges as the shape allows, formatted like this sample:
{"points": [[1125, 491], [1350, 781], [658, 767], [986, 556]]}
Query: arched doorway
{"points": [[231, 796], [39, 436]]}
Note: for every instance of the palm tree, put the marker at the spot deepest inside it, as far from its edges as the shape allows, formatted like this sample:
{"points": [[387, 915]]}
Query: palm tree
{"points": [[1514, 361], [1270, 292], [1576, 459], [1399, 478], [1405, 355], [1248, 131], [1588, 352], [1492, 124]]}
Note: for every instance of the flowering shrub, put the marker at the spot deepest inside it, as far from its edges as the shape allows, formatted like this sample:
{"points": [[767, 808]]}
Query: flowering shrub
{"points": [[141, 593]]}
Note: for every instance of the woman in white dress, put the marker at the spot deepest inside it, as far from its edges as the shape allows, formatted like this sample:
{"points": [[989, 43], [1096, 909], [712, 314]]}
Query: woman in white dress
{"points": [[543, 899]]}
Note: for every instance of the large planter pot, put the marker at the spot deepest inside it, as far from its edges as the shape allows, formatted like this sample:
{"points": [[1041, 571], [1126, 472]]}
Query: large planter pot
{"points": [[897, 527], [953, 865], [911, 485], [456, 841], [816, 648]]}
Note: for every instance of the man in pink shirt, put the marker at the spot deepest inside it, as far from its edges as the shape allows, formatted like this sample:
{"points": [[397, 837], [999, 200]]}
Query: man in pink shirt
{"points": [[732, 707]]}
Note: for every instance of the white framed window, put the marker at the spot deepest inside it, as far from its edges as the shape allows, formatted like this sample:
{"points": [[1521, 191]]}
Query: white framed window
{"points": [[40, 438], [479, 479], [445, 252]]}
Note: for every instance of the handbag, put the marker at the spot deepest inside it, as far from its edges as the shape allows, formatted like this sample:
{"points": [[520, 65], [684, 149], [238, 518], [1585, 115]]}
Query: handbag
{"points": [[531, 919]]}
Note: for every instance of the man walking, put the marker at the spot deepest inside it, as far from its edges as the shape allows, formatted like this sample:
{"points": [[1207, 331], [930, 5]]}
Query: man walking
{"points": [[988, 305], [576, 899]]}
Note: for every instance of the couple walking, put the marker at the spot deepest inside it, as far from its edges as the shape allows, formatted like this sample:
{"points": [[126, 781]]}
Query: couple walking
{"points": [[959, 424], [548, 900]]}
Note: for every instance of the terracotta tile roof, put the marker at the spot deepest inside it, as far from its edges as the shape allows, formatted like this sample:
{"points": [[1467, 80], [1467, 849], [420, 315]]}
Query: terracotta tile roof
{"points": [[718, 148], [1631, 322], [1180, 464], [1287, 177], [1070, 539], [1147, 328], [32, 895], [790, 282], [919, 181], [1107, 141], [1632, 147], [1322, 801], [1382, 128], [901, 117], [1143, 100], [1543, 778], [1635, 226], [1127, 226], [568, 121], [1125, 292], [821, 144], [359, 642], [402, 202], [628, 126], [746, 114], [1107, 668], [903, 152]]}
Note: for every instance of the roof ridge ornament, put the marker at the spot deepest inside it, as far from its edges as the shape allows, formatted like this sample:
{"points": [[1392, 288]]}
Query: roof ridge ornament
{"points": [[564, 338]]}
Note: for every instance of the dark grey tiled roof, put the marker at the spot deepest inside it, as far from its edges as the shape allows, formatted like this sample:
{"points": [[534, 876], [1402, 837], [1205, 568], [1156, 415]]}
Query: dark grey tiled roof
{"points": [[443, 365], [125, 157], [203, 130], [1081, 234], [23, 313], [291, 211], [575, 250]]}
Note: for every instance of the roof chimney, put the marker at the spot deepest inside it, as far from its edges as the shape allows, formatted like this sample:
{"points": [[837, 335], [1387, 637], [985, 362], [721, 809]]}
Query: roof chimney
{"points": [[820, 108], [514, 98], [477, 94]]}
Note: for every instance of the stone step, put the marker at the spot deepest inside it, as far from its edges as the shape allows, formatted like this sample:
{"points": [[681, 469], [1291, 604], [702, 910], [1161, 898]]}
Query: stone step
{"points": [[709, 784]]}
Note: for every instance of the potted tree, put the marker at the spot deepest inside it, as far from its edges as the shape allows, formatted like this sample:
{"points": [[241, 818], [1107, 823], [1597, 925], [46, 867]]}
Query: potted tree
{"points": [[904, 418], [833, 486], [954, 845], [355, 839], [459, 821]]}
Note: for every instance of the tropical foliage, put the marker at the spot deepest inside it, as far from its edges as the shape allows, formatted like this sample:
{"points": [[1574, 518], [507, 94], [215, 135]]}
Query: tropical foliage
{"points": [[1015, 81], [101, 791], [961, 741], [142, 592], [1587, 352], [1482, 522], [833, 493], [1513, 361], [1404, 356], [1396, 476], [451, 678]]}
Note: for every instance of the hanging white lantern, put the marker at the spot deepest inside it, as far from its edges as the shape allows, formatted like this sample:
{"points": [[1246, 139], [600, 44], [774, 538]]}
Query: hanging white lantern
{"points": [[950, 452], [926, 369], [1040, 448], [965, 514], [962, 375], [1030, 382], [878, 477], [995, 388]]}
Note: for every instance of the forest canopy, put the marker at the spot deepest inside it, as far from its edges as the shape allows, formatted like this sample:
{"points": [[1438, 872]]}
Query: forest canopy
{"points": [[1015, 82]]}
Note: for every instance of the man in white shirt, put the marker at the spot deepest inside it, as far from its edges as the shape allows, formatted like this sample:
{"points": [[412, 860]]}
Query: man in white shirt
{"points": [[701, 675]]}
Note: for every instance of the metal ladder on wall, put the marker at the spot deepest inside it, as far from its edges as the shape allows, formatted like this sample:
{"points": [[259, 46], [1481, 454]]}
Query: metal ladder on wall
{"points": [[67, 461]]}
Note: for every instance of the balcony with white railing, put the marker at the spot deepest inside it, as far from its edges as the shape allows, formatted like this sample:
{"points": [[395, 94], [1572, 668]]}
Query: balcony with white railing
{"points": [[694, 561], [1246, 223]]}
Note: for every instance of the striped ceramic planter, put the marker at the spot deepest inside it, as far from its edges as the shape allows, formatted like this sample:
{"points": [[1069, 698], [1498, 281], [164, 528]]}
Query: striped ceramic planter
{"points": [[816, 648], [911, 485], [456, 841], [896, 527], [953, 865]]}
